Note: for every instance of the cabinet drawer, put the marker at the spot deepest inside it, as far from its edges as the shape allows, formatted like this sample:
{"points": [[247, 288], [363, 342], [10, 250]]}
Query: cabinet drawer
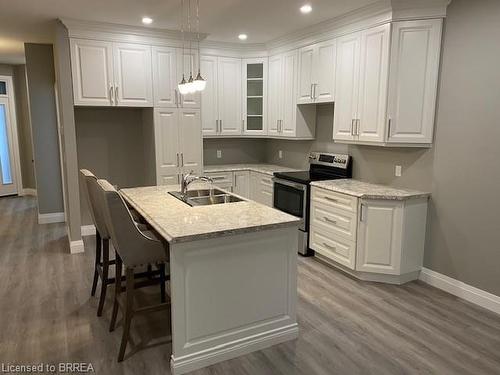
{"points": [[331, 199], [340, 222], [333, 247], [221, 178]]}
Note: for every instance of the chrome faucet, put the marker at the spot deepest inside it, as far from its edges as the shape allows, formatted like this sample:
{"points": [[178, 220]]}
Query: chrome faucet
{"points": [[187, 179]]}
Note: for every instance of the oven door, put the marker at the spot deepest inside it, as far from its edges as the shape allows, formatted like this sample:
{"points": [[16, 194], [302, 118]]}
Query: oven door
{"points": [[291, 197]]}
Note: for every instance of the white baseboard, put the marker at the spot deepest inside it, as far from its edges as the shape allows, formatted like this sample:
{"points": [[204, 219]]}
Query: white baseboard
{"points": [[27, 191], [460, 289], [232, 350], [88, 230], [56, 217], [76, 247]]}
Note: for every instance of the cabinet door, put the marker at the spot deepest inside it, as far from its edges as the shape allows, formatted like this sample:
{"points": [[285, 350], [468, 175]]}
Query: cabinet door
{"points": [[254, 96], [166, 144], [306, 71], [209, 109], [374, 70], [346, 86], [413, 80], [241, 184], [191, 142], [288, 95], [165, 77], [133, 75], [188, 64], [275, 94], [266, 192], [229, 95], [92, 71], [380, 231], [324, 72]]}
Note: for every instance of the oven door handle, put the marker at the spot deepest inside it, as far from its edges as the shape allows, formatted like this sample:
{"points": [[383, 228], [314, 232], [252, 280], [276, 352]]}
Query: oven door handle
{"points": [[290, 183]]}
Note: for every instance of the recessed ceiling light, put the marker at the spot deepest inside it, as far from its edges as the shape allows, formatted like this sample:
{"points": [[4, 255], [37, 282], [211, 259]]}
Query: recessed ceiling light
{"points": [[243, 36], [306, 8], [147, 20]]}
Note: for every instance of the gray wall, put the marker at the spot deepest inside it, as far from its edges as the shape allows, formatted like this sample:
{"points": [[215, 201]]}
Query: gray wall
{"points": [[6, 70], [234, 151], [110, 143], [40, 75]]}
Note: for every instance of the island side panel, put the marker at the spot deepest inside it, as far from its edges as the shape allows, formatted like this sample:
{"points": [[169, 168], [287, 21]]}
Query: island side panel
{"points": [[232, 295]]}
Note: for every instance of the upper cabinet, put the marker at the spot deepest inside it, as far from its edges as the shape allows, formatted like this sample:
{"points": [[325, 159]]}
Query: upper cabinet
{"points": [[317, 73], [254, 96], [381, 106], [111, 74], [221, 99]]}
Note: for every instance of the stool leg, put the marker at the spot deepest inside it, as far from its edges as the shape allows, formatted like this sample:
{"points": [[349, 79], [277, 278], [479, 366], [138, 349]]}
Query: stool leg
{"points": [[98, 243], [162, 282], [129, 275], [105, 273], [118, 290]]}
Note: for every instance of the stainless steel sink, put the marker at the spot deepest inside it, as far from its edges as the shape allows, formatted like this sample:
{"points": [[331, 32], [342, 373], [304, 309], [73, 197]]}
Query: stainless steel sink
{"points": [[205, 197]]}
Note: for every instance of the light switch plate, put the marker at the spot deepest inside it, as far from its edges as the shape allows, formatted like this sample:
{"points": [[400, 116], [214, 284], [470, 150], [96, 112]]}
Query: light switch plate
{"points": [[280, 154], [397, 171], [219, 154]]}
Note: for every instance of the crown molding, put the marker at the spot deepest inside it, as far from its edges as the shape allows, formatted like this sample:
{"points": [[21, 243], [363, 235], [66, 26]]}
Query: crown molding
{"points": [[228, 49]]}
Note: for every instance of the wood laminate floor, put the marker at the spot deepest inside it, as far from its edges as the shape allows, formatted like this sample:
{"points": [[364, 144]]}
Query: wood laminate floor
{"points": [[346, 326]]}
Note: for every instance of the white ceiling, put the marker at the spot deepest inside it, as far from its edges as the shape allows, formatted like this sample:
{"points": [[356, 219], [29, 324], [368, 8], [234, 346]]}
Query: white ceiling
{"points": [[263, 20]]}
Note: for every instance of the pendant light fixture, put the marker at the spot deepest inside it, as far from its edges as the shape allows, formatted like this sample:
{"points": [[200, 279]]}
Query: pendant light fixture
{"points": [[199, 83]]}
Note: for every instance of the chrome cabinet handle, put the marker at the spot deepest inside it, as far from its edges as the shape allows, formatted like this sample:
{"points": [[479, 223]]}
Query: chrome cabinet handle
{"points": [[220, 125], [328, 220], [362, 213], [217, 178], [331, 199], [352, 127], [358, 121], [314, 90], [182, 159], [176, 98], [177, 155], [116, 95], [329, 246], [111, 94], [311, 93], [389, 128]]}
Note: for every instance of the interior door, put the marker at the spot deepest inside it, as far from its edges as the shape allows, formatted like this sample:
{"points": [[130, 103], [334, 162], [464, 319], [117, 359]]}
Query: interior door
{"points": [[275, 91], [324, 72], [165, 77], [306, 69], [289, 109], [133, 76], [229, 95], [374, 76], [167, 145], [209, 110], [8, 183], [346, 86], [92, 71], [190, 141]]}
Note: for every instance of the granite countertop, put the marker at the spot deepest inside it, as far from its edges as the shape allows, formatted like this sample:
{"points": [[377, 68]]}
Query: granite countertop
{"points": [[369, 191], [177, 221], [262, 168]]}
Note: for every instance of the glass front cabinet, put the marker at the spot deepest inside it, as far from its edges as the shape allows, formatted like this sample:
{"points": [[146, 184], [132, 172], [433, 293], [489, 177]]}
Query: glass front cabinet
{"points": [[254, 96]]}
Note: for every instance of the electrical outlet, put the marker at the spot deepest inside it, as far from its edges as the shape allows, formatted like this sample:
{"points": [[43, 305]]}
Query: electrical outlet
{"points": [[280, 154], [219, 154], [397, 171]]}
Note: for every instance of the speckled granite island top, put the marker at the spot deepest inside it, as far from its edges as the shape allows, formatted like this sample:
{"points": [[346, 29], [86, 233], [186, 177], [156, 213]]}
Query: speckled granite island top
{"points": [[261, 168], [177, 221], [369, 191]]}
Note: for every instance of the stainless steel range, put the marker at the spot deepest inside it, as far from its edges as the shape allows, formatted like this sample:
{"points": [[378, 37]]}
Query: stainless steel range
{"points": [[292, 189]]}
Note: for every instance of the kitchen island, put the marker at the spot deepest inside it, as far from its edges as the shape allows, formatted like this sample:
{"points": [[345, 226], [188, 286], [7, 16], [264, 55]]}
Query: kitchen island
{"points": [[233, 272]]}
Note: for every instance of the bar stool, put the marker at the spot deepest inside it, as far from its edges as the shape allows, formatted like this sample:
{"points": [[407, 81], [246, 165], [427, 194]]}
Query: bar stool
{"points": [[102, 261], [134, 248]]}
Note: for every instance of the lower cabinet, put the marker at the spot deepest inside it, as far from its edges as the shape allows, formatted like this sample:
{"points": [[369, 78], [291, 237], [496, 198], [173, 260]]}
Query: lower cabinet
{"points": [[261, 188], [241, 183], [379, 240], [224, 180]]}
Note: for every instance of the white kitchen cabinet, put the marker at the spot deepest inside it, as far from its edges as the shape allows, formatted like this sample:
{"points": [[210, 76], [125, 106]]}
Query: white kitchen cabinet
{"points": [[241, 183], [386, 84], [221, 113], [275, 102], [416, 47], [254, 103], [111, 74], [317, 73], [92, 71], [261, 188], [373, 239], [178, 143], [223, 180]]}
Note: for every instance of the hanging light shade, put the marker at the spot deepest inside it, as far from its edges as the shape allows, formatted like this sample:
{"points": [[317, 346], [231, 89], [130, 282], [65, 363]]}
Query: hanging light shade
{"points": [[190, 85], [199, 82], [183, 86]]}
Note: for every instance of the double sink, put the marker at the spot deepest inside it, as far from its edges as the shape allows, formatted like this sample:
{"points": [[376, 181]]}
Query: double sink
{"points": [[205, 197]]}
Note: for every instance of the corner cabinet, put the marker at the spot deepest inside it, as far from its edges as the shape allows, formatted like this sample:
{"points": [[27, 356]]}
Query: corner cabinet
{"points": [[178, 143], [111, 74], [386, 84], [372, 239], [254, 102]]}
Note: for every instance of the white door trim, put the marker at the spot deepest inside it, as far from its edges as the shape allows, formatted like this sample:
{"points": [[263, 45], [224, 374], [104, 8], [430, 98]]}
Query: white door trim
{"points": [[11, 97]]}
